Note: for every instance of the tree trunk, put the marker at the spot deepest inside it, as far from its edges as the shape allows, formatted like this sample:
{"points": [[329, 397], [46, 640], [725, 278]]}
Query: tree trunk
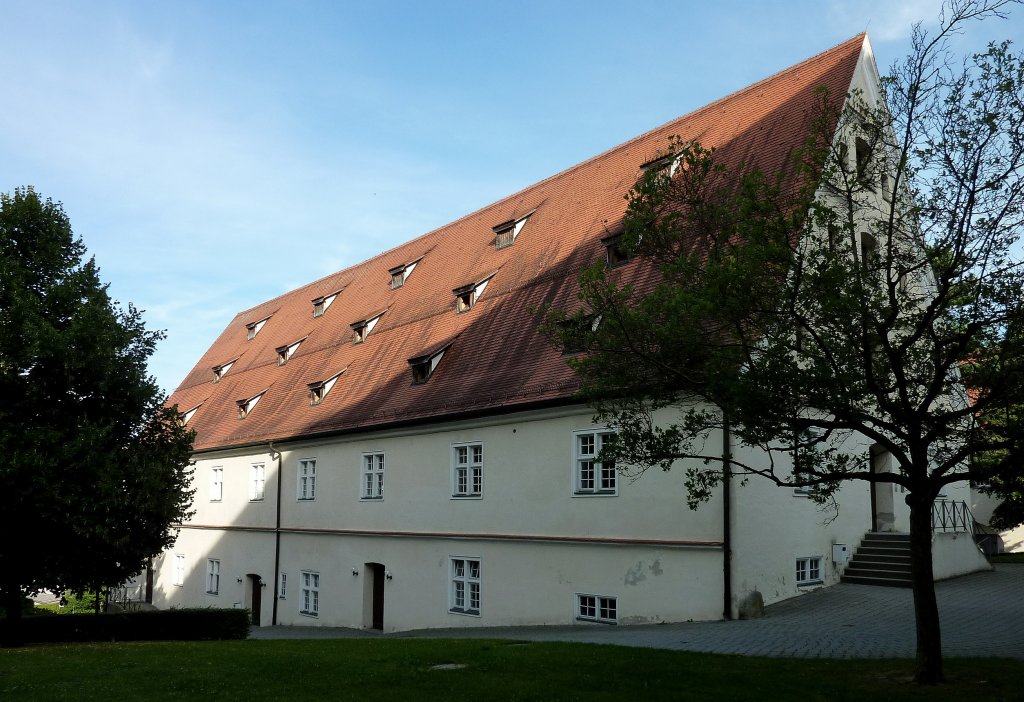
{"points": [[12, 633], [926, 607]]}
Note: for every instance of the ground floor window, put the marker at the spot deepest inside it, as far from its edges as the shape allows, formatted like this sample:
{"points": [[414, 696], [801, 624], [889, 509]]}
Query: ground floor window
{"points": [[465, 590], [597, 608], [310, 593], [282, 586], [179, 570], [212, 576], [808, 570]]}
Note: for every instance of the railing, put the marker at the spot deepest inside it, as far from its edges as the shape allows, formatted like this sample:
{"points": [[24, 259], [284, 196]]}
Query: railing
{"points": [[952, 516]]}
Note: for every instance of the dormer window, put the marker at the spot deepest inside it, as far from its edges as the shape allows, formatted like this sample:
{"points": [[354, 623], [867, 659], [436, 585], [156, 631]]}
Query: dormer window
{"points": [[286, 352], [362, 328], [615, 254], [320, 304], [253, 328], [467, 295], [221, 370], [187, 414], [576, 332], [246, 406], [423, 366], [505, 233], [664, 165], [318, 390], [399, 274]]}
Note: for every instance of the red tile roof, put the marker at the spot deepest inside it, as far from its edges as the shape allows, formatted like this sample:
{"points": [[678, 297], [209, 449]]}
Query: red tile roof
{"points": [[498, 360]]}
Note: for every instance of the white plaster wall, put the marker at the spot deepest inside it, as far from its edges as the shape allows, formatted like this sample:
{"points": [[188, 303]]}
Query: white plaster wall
{"points": [[956, 554]]}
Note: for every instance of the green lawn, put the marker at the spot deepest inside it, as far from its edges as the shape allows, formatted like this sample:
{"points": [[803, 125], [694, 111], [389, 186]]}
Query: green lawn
{"points": [[397, 669], [1008, 558]]}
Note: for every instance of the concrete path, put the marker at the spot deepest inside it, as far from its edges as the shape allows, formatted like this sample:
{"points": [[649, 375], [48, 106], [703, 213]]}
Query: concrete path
{"points": [[982, 615]]}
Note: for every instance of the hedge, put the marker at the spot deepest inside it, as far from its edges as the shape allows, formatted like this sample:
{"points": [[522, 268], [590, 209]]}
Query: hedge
{"points": [[198, 624]]}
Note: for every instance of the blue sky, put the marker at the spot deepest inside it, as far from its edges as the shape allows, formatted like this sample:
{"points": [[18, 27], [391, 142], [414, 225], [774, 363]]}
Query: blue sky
{"points": [[213, 155]]}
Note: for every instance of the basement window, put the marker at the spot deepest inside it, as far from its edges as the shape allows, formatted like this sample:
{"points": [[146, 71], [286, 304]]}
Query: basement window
{"points": [[505, 233], [808, 571], [362, 328], [597, 608], [222, 370], [400, 274], [246, 406], [286, 352], [318, 390], [615, 254], [253, 328], [423, 366], [467, 295], [320, 304]]}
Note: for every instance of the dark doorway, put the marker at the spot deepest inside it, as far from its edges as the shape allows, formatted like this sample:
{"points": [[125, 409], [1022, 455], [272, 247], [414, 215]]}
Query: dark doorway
{"points": [[376, 574], [255, 597]]}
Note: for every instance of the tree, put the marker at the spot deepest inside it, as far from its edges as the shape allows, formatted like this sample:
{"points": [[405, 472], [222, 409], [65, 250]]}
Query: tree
{"points": [[848, 299], [95, 468]]}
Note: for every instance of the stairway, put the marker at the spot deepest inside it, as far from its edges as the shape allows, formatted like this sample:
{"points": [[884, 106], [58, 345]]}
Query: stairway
{"points": [[881, 559]]}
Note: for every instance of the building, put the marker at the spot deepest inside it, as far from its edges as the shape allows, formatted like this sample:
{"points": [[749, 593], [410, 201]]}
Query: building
{"points": [[396, 446]]}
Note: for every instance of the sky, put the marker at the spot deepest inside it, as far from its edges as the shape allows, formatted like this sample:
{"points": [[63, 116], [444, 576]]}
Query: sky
{"points": [[213, 155]]}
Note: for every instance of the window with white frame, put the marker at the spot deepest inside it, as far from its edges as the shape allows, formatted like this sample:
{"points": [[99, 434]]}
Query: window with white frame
{"points": [[307, 479], [590, 475], [808, 570], [258, 482], [212, 576], [310, 593], [282, 586], [597, 608], [216, 484], [178, 577], [465, 590], [467, 470], [373, 476]]}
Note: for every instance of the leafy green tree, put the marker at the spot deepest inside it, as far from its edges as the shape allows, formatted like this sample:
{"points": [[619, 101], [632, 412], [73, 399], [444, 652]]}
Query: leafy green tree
{"points": [[833, 304], [95, 468]]}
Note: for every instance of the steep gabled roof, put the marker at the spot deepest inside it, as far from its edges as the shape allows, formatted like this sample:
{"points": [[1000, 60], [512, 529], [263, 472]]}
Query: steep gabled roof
{"points": [[496, 360]]}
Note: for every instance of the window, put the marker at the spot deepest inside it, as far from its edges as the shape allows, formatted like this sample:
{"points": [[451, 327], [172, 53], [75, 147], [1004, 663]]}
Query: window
{"points": [[310, 593], [664, 165], [282, 587], [286, 352], [253, 328], [400, 274], [597, 608], [362, 328], [320, 304], [467, 295], [212, 576], [246, 406], [258, 483], [185, 416], [373, 476], [576, 332], [178, 577], [307, 479], [423, 366], [868, 252], [216, 484], [615, 254], [467, 470], [505, 233], [318, 390], [465, 592], [862, 151], [808, 570], [221, 370], [593, 477]]}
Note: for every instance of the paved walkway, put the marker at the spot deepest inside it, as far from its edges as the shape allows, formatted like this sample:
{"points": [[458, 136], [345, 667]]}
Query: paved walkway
{"points": [[982, 615]]}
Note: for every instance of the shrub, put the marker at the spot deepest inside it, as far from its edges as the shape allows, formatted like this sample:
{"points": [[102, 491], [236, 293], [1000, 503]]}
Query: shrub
{"points": [[163, 625]]}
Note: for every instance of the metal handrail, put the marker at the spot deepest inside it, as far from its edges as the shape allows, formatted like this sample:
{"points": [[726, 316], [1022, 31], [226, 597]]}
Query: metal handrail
{"points": [[952, 516]]}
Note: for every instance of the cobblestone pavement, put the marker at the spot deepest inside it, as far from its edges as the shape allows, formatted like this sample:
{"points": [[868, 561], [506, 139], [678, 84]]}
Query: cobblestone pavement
{"points": [[982, 615]]}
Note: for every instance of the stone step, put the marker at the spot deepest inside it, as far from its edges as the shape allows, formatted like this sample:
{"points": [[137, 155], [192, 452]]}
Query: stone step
{"points": [[858, 564], [870, 580], [881, 557]]}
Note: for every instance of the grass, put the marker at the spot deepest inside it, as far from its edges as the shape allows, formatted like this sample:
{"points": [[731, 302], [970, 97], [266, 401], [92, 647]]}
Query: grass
{"points": [[401, 669], [1007, 558]]}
